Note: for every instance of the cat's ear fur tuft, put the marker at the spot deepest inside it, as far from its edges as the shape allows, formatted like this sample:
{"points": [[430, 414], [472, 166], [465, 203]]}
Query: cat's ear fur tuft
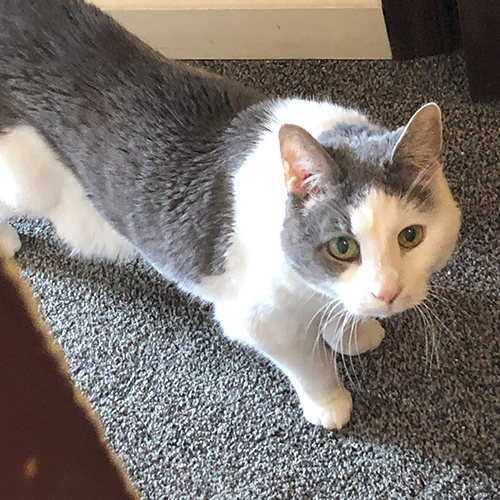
{"points": [[306, 164], [420, 145]]}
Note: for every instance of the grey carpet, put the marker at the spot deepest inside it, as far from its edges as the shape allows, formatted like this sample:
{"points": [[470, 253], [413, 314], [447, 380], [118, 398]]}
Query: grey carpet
{"points": [[195, 416]]}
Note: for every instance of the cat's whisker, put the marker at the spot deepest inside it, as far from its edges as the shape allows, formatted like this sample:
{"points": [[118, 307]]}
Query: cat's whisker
{"points": [[340, 334], [435, 333], [322, 308], [427, 304], [328, 313], [342, 330], [420, 180], [330, 308], [430, 317], [318, 341], [324, 311], [440, 320], [451, 305], [425, 327], [327, 310], [329, 319], [338, 331], [435, 287], [354, 333], [358, 319], [448, 307], [433, 337], [415, 183], [444, 301]]}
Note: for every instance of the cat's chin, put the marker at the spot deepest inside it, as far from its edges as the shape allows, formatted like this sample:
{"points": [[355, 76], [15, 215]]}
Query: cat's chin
{"points": [[362, 315], [379, 312]]}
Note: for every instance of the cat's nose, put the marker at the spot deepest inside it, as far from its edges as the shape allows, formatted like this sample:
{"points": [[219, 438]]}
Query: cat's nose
{"points": [[388, 293]]}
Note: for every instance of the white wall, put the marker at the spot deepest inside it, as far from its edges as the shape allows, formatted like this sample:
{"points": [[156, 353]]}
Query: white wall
{"points": [[257, 29], [233, 4]]}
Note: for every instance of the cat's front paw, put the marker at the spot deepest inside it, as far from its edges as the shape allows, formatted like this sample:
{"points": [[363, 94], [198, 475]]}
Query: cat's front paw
{"points": [[9, 240], [332, 413], [370, 334], [367, 335]]}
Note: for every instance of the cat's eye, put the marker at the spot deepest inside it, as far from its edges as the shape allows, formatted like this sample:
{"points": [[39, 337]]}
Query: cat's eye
{"points": [[411, 236], [343, 248]]}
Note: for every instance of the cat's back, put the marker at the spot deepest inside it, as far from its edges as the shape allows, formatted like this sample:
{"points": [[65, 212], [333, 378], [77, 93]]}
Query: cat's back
{"points": [[146, 137], [71, 53]]}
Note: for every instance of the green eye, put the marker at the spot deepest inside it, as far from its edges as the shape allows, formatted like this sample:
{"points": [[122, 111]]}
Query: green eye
{"points": [[343, 248], [411, 236]]}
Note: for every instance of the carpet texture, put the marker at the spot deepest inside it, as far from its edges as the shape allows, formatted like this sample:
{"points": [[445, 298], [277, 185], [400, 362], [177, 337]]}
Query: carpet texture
{"points": [[194, 416]]}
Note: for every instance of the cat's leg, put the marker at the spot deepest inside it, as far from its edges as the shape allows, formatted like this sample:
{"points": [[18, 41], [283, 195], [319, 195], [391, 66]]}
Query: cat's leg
{"points": [[9, 239], [354, 338], [9, 200], [79, 224], [35, 183], [285, 338]]}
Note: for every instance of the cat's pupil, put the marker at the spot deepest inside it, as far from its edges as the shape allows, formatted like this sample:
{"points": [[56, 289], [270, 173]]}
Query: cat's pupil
{"points": [[410, 233], [342, 245]]}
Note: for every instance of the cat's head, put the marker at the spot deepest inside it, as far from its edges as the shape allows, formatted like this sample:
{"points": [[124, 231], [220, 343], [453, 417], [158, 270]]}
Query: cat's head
{"points": [[369, 213]]}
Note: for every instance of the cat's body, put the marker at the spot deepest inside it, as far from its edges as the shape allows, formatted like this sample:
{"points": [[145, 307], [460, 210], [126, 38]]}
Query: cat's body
{"points": [[224, 192]]}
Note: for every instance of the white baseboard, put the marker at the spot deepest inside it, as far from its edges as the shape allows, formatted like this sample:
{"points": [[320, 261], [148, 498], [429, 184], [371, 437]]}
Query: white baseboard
{"points": [[257, 29]]}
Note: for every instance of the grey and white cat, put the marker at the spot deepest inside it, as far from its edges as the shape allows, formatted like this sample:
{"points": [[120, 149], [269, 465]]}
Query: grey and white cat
{"points": [[295, 218]]}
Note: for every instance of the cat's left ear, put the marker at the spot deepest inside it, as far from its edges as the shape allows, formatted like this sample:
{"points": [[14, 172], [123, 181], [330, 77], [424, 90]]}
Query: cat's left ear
{"points": [[420, 145], [306, 164]]}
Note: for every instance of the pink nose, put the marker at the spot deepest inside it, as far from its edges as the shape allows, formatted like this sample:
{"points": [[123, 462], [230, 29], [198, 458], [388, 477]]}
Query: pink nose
{"points": [[388, 294]]}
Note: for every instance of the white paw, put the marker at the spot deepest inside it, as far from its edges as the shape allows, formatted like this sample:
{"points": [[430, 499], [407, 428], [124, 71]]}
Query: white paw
{"points": [[370, 334], [333, 413], [9, 240], [366, 336]]}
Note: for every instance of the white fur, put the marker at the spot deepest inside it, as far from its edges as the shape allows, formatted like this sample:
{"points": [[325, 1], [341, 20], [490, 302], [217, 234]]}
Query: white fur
{"points": [[35, 183]]}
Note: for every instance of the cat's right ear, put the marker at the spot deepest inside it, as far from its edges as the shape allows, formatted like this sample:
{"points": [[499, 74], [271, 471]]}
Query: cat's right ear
{"points": [[306, 164]]}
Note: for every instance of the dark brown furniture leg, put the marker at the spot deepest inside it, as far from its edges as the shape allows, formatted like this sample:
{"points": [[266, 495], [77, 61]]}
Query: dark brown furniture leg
{"points": [[480, 23]]}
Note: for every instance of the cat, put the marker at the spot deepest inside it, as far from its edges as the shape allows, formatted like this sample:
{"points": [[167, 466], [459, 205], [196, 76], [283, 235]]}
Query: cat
{"points": [[295, 218]]}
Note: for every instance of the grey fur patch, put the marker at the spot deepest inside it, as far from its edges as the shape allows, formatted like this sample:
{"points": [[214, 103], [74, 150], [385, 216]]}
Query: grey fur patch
{"points": [[364, 154], [153, 142], [305, 233]]}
